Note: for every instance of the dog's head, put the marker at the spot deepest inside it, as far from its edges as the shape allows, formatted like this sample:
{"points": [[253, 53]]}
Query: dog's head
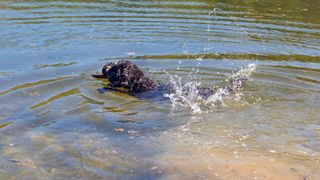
{"points": [[128, 75]]}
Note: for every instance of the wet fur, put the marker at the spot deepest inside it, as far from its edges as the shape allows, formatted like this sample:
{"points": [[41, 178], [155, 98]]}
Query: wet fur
{"points": [[126, 74]]}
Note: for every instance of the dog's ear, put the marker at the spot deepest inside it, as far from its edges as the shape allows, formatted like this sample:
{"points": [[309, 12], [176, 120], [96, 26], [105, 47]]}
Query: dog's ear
{"points": [[106, 68], [104, 71]]}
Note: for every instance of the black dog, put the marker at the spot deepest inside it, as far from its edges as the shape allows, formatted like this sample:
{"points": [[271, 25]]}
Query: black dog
{"points": [[126, 74]]}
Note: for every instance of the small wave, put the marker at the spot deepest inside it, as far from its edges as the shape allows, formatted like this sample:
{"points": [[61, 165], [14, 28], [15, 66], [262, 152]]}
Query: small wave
{"points": [[187, 95]]}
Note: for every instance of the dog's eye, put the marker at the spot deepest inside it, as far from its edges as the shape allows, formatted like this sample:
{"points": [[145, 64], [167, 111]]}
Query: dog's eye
{"points": [[108, 67]]}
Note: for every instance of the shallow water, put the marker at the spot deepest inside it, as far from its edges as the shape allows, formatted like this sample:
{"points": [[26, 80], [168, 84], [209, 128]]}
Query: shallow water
{"points": [[54, 123]]}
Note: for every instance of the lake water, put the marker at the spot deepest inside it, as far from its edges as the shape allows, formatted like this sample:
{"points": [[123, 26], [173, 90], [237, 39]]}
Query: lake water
{"points": [[55, 124]]}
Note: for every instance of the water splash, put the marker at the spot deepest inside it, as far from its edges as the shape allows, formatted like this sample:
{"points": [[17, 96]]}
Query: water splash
{"points": [[187, 95]]}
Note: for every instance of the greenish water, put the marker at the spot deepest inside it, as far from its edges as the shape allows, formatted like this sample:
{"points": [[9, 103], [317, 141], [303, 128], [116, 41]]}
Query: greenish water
{"points": [[54, 124]]}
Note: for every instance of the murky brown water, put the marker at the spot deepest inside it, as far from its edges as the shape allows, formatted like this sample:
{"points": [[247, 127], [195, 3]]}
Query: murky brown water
{"points": [[55, 124]]}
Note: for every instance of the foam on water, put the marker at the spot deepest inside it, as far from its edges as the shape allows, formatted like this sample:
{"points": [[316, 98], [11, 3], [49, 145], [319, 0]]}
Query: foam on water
{"points": [[187, 95]]}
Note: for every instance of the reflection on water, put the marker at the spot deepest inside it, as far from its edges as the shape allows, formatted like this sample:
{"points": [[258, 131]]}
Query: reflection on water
{"points": [[54, 123]]}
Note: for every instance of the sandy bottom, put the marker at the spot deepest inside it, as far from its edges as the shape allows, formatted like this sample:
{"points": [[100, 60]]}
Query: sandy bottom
{"points": [[210, 165]]}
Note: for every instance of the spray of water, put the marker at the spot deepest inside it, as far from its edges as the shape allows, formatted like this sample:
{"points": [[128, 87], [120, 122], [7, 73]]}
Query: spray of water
{"points": [[187, 95]]}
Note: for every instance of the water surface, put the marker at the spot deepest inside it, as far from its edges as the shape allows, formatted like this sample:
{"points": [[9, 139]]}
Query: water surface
{"points": [[54, 123]]}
